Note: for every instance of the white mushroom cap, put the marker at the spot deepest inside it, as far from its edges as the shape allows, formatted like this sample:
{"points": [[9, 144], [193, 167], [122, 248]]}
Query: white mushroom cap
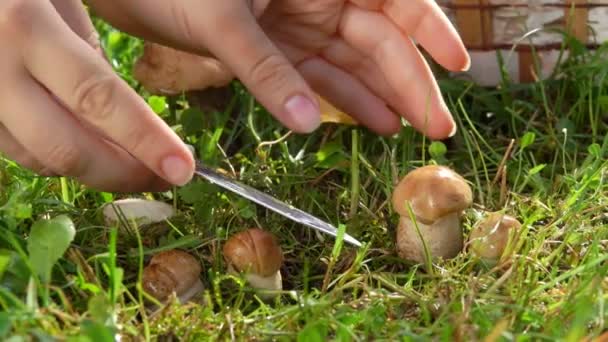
{"points": [[142, 211]]}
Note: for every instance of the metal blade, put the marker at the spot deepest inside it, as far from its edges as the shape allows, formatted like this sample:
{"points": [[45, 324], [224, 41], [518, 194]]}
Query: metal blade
{"points": [[270, 202]]}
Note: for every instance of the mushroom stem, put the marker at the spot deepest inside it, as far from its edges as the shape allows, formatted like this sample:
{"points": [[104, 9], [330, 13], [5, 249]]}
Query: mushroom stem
{"points": [[192, 291], [443, 238], [265, 286]]}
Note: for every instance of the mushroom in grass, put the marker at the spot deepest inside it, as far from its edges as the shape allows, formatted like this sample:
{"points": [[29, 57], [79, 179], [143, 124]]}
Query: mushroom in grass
{"points": [[257, 254], [491, 236], [173, 271], [437, 196]]}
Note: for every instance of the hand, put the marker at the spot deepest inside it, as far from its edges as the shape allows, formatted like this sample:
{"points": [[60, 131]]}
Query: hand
{"points": [[63, 111], [358, 54]]}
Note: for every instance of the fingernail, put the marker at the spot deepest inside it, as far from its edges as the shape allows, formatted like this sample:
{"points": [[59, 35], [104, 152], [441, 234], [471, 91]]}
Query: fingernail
{"points": [[454, 130], [467, 66], [304, 113], [176, 170]]}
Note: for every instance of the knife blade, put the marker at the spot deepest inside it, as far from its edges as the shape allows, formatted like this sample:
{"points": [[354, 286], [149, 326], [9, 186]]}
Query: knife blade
{"points": [[270, 202]]}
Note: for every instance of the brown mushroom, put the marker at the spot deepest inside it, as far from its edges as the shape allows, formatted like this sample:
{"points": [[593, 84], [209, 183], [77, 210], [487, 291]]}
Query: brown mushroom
{"points": [[491, 236], [167, 71], [164, 70], [437, 196], [257, 254], [173, 271]]}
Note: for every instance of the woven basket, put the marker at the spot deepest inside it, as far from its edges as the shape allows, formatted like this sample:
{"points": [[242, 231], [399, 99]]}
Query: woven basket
{"points": [[518, 29]]}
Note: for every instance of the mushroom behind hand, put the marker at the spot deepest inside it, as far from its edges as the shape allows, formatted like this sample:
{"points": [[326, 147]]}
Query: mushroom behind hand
{"points": [[437, 196], [258, 255], [173, 271], [167, 71], [490, 236]]}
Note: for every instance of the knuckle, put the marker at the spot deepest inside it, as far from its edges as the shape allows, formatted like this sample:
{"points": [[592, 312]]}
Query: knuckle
{"points": [[137, 137], [65, 160], [16, 16], [94, 97], [270, 73]]}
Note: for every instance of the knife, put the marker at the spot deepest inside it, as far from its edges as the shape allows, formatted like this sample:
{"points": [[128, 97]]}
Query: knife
{"points": [[270, 202]]}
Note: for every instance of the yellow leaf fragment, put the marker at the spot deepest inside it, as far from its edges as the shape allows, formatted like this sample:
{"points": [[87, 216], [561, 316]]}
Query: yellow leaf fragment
{"points": [[329, 113]]}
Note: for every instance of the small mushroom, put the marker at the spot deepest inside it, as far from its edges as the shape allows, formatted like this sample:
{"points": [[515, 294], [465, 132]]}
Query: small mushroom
{"points": [[257, 254], [173, 271], [437, 196], [490, 236]]}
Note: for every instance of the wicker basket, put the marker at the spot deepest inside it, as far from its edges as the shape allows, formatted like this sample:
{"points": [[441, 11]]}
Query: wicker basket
{"points": [[517, 29]]}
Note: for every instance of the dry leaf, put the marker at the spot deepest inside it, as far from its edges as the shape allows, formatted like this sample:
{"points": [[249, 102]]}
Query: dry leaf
{"points": [[329, 113]]}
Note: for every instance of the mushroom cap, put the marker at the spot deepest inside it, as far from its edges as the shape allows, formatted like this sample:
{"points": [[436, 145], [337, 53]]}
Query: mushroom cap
{"points": [[254, 251], [142, 211], [171, 271], [433, 191], [164, 70], [490, 236]]}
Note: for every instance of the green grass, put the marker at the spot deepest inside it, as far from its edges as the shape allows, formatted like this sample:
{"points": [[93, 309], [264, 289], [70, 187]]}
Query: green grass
{"points": [[553, 287]]}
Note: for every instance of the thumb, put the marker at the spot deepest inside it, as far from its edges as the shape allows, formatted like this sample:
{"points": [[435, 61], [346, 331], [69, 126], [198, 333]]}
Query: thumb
{"points": [[241, 44]]}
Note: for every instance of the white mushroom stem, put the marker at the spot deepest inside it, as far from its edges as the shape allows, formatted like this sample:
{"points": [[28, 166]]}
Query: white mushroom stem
{"points": [[191, 292], [265, 285], [443, 238]]}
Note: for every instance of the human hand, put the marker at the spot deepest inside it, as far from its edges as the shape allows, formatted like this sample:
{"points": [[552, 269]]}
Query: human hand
{"points": [[358, 54], [63, 111]]}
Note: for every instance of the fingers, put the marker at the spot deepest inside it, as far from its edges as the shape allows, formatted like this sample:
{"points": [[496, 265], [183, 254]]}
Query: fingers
{"points": [[365, 69], [424, 21], [90, 90], [405, 70], [259, 64], [348, 94], [16, 152], [429, 26], [258, 7], [77, 18], [58, 144], [231, 31]]}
